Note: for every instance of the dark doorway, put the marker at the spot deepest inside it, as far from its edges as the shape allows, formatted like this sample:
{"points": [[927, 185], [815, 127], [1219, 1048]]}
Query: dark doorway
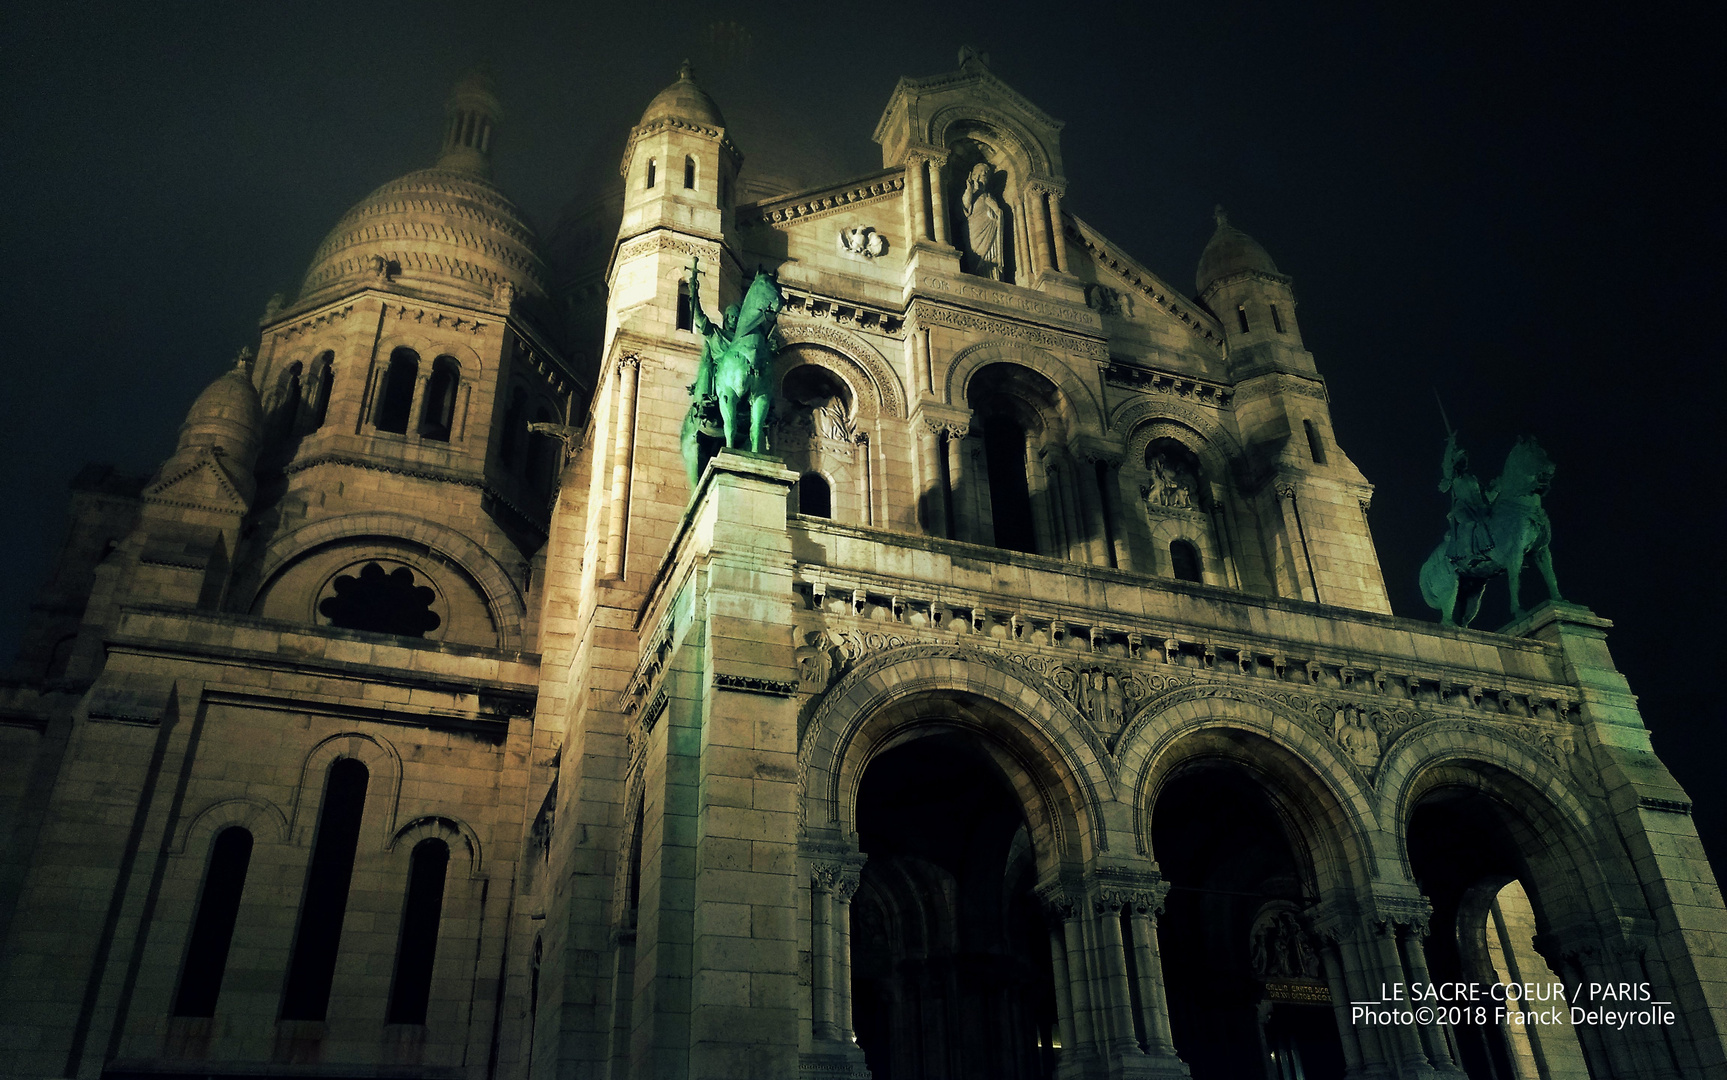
{"points": [[1009, 493], [1235, 884], [951, 966]]}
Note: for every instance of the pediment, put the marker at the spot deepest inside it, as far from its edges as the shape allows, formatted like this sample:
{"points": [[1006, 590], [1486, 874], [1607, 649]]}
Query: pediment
{"points": [[198, 480]]}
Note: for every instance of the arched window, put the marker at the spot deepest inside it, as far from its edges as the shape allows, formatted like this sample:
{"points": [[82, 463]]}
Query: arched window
{"points": [[814, 496], [1184, 561], [1315, 444], [411, 989], [689, 173], [396, 396], [312, 967], [1276, 319], [1009, 493], [213, 929], [514, 433], [318, 401], [653, 168], [288, 404], [438, 413], [1241, 317], [686, 317]]}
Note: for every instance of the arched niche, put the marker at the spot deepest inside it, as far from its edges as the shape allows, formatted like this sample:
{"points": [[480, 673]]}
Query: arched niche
{"points": [[1176, 482], [826, 413]]}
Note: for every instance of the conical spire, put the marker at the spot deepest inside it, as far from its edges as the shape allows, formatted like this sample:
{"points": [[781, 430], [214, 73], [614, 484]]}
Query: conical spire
{"points": [[471, 120]]}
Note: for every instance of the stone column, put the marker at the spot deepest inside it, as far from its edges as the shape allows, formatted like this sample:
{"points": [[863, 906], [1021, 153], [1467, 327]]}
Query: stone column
{"points": [[1037, 486], [914, 214], [845, 887], [1040, 228], [1063, 987], [964, 525], [1415, 960], [822, 1026], [1403, 1041], [938, 200], [1148, 963], [623, 460], [1119, 527], [1096, 531], [1331, 961], [925, 370], [418, 403], [933, 493], [920, 200], [1107, 909], [1057, 236]]}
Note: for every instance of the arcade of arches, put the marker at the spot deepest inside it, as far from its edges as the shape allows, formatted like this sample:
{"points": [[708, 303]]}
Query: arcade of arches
{"points": [[1237, 953]]}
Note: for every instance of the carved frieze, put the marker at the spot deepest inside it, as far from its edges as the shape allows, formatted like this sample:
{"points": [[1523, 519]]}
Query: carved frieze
{"points": [[931, 314]]}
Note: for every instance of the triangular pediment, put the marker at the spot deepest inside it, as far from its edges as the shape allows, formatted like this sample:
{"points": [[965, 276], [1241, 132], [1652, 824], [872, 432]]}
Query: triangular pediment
{"points": [[197, 479]]}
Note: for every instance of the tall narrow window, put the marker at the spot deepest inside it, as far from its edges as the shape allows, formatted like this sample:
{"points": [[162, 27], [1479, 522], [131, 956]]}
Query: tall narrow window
{"points": [[652, 171], [213, 929], [411, 990], [1241, 317], [438, 414], [1276, 319], [396, 396], [1009, 490], [690, 173], [1315, 444], [1184, 561], [686, 316], [814, 496], [312, 967], [323, 378]]}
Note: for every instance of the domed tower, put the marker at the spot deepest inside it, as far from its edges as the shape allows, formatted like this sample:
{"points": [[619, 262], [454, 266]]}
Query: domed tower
{"points": [[680, 174], [1313, 496], [398, 392], [1242, 286]]}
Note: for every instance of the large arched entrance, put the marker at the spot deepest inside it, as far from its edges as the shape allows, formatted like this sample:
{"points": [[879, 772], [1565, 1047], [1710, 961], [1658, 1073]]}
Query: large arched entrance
{"points": [[951, 961], [1247, 993], [1470, 854]]}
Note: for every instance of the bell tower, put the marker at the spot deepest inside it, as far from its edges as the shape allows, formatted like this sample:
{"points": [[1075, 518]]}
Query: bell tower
{"points": [[1306, 488]]}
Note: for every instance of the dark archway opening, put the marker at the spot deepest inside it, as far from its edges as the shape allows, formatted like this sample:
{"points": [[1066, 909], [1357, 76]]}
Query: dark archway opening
{"points": [[1009, 490], [951, 964], [1235, 944], [1467, 856], [814, 497]]}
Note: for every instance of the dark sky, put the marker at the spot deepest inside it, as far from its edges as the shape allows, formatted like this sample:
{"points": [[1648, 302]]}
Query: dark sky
{"points": [[1520, 208]]}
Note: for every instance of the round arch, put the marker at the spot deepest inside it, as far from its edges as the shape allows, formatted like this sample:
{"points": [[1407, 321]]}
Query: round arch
{"points": [[1060, 771], [1030, 150], [260, 817], [383, 784], [456, 833], [1558, 837], [1080, 404], [1313, 787], [850, 357], [502, 598]]}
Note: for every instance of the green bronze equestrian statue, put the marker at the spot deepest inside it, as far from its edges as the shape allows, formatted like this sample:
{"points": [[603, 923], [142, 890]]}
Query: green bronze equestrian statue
{"points": [[1489, 532], [735, 371]]}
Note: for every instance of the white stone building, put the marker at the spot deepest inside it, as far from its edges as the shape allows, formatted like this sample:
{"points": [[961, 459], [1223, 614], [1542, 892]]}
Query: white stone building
{"points": [[1034, 708]]}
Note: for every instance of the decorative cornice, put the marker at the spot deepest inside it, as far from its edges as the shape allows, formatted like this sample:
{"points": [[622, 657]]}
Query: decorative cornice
{"points": [[1006, 328], [785, 210], [1106, 254], [1130, 375], [750, 684]]}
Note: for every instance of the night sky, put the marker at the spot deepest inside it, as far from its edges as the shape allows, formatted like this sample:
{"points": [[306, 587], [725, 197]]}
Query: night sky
{"points": [[1518, 208]]}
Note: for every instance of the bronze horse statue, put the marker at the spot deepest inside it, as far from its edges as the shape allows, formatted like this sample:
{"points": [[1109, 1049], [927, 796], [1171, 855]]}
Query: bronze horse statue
{"points": [[735, 371], [1490, 532]]}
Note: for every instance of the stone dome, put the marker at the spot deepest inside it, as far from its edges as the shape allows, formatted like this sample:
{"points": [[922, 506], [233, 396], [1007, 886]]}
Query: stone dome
{"points": [[228, 418], [1230, 252], [438, 228], [684, 100]]}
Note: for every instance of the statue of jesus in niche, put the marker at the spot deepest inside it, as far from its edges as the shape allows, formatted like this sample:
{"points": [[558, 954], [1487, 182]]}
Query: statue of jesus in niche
{"points": [[983, 220]]}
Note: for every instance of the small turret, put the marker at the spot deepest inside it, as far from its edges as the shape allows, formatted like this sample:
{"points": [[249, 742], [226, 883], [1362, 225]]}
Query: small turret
{"points": [[471, 120], [228, 420], [1242, 286]]}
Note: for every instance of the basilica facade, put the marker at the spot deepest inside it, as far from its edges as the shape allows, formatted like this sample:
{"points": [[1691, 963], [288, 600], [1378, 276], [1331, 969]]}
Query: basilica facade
{"points": [[1031, 706]]}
